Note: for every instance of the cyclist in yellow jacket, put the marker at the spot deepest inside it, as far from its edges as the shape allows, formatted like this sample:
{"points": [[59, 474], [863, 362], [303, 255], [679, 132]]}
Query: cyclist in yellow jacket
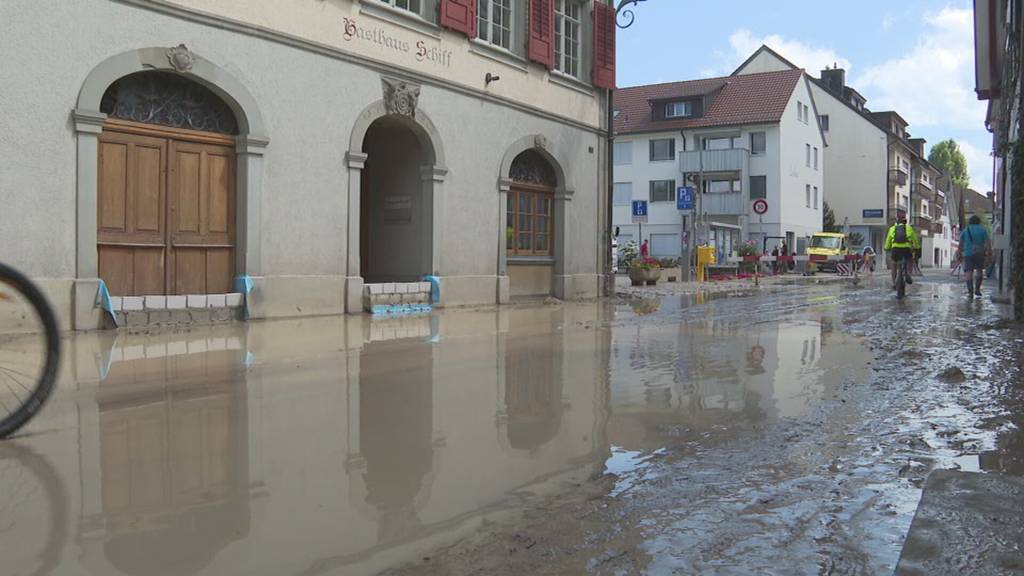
{"points": [[901, 242]]}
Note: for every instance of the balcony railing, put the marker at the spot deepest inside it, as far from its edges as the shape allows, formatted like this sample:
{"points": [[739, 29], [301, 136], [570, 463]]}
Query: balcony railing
{"points": [[726, 204], [919, 190], [731, 160], [925, 183], [898, 177]]}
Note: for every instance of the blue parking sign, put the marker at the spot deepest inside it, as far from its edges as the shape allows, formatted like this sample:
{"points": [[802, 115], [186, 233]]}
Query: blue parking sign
{"points": [[684, 198], [639, 210]]}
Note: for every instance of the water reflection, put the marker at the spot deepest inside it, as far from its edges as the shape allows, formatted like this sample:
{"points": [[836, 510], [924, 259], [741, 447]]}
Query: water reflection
{"points": [[682, 379], [349, 445]]}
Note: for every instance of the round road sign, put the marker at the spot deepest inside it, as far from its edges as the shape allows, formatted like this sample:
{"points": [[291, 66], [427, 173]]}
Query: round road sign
{"points": [[760, 206]]}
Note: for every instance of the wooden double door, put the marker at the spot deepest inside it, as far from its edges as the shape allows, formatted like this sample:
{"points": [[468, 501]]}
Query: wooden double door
{"points": [[166, 210]]}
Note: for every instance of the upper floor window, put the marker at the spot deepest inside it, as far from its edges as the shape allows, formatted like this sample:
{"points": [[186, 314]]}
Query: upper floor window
{"points": [[807, 114], [808, 194], [725, 143], [663, 149], [495, 22], [757, 143], [663, 191], [623, 193], [815, 197], [815, 157], [758, 187], [623, 153], [678, 109], [823, 122], [567, 36], [800, 111], [414, 6], [808, 149]]}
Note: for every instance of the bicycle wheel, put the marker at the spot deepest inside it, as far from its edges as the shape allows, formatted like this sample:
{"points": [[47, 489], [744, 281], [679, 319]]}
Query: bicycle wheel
{"points": [[29, 350], [901, 279]]}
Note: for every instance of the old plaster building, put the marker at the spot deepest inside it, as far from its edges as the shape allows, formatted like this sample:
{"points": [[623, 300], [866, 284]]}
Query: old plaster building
{"points": [[300, 151]]}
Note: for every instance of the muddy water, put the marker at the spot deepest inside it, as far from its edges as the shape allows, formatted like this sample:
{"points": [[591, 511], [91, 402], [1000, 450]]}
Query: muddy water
{"points": [[351, 445]]}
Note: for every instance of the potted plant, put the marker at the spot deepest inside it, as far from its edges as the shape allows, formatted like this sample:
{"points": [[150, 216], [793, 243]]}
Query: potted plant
{"points": [[644, 271], [748, 248], [671, 271]]}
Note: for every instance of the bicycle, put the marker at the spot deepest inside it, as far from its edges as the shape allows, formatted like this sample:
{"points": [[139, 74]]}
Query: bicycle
{"points": [[29, 350], [902, 272]]}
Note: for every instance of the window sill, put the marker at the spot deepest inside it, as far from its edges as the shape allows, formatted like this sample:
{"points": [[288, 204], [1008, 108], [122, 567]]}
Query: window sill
{"points": [[399, 17], [571, 82], [530, 260], [498, 54], [652, 161]]}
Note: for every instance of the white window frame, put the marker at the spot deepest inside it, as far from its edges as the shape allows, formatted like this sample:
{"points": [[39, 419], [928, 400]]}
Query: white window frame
{"points": [[623, 153], [763, 178], [569, 47], [413, 6], [807, 192], [815, 197], [808, 154], [622, 189], [815, 157], [824, 122], [799, 111], [486, 22], [671, 110], [735, 185]]}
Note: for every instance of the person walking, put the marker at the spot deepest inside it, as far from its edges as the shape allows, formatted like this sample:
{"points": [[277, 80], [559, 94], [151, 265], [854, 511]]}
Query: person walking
{"points": [[645, 251], [974, 246]]}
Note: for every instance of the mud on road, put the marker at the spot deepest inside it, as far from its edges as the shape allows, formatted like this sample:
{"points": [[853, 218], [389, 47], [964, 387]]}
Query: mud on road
{"points": [[829, 488]]}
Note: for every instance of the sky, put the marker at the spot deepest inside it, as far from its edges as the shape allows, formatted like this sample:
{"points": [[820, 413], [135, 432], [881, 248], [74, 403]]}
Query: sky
{"points": [[912, 56]]}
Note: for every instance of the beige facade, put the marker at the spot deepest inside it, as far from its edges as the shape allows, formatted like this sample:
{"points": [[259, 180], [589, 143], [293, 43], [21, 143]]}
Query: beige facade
{"points": [[310, 84]]}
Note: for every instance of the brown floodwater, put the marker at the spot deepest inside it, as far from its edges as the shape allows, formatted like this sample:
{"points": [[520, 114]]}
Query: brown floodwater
{"points": [[352, 445]]}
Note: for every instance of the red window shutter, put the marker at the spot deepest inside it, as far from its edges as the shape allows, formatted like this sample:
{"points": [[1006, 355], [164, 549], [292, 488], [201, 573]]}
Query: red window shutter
{"points": [[603, 73], [542, 32], [459, 15]]}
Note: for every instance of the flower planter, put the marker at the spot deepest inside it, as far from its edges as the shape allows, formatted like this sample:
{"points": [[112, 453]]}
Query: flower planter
{"points": [[641, 276]]}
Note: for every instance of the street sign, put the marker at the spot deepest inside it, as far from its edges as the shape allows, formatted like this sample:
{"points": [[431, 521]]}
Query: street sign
{"points": [[760, 206], [684, 198], [639, 211], [873, 213]]}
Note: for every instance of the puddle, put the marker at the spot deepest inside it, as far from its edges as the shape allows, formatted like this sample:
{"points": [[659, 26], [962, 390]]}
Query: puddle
{"points": [[350, 445]]}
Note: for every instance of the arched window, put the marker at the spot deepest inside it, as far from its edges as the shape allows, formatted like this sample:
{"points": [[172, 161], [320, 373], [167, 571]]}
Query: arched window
{"points": [[530, 206], [167, 99]]}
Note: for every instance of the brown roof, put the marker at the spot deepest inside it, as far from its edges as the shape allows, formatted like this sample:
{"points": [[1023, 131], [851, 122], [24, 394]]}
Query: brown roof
{"points": [[745, 99]]}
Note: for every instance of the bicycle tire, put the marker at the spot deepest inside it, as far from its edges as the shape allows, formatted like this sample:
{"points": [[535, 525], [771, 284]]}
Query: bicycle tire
{"points": [[48, 375], [901, 280]]}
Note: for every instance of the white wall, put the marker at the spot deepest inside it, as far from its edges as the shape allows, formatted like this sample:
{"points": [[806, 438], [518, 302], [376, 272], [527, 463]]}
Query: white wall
{"points": [[856, 178], [795, 174]]}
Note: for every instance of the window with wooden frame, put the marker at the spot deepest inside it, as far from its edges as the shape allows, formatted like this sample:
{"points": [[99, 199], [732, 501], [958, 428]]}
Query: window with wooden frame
{"points": [[529, 209]]}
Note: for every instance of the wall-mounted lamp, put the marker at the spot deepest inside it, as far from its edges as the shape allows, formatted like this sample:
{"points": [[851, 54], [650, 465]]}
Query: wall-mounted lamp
{"points": [[490, 78]]}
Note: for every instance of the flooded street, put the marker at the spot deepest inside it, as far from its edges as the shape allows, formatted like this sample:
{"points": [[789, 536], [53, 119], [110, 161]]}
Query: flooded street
{"points": [[787, 432]]}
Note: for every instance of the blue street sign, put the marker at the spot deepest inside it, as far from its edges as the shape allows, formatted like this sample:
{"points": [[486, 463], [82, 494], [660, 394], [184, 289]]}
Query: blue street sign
{"points": [[878, 213], [684, 198], [639, 210]]}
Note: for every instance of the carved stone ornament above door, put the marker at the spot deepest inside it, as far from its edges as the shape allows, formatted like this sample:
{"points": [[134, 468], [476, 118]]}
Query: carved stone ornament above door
{"points": [[400, 97]]}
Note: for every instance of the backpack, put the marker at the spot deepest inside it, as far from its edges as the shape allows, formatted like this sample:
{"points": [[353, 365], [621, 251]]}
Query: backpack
{"points": [[900, 237]]}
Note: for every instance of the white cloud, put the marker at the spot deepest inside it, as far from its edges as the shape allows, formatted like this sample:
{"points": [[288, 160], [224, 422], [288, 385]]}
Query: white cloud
{"points": [[888, 21], [979, 165], [932, 84], [811, 58]]}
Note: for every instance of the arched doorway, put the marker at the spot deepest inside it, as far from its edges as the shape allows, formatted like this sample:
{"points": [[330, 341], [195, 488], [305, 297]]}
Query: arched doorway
{"points": [[396, 210], [530, 224], [166, 196]]}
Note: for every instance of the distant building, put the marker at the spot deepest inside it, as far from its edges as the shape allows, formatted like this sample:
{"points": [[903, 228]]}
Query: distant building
{"points": [[733, 139]]}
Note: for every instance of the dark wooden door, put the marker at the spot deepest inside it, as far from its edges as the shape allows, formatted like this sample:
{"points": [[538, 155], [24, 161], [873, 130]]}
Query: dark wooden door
{"points": [[166, 211]]}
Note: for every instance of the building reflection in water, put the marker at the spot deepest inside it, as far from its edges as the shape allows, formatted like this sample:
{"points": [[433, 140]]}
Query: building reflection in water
{"points": [[678, 379], [317, 446], [173, 454]]}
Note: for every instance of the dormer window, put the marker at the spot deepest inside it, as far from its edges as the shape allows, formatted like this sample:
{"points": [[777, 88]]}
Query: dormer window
{"points": [[678, 109]]}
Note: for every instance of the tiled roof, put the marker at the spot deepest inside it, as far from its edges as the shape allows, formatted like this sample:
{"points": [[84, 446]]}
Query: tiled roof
{"points": [[745, 99]]}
